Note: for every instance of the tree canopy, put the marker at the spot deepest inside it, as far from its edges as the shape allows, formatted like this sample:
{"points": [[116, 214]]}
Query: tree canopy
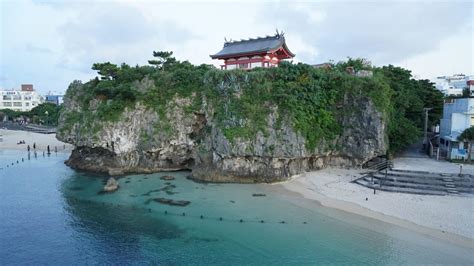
{"points": [[164, 59], [467, 135]]}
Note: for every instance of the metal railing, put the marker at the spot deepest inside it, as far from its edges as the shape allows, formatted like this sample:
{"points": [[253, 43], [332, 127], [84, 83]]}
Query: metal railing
{"points": [[380, 166]]}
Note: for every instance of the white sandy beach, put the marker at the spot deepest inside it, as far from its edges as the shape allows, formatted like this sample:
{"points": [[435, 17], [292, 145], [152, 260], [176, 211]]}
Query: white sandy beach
{"points": [[447, 217], [12, 137]]}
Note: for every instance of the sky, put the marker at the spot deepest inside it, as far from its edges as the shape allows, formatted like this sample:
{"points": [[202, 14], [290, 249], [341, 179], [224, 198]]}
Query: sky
{"points": [[51, 43]]}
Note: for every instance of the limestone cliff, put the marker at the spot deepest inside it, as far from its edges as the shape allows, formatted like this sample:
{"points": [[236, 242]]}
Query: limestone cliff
{"points": [[183, 136]]}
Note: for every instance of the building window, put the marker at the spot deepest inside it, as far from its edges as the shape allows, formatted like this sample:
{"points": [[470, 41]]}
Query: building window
{"points": [[7, 97], [441, 141], [447, 143], [244, 65], [7, 104], [472, 120], [255, 64], [17, 104], [27, 104], [449, 100]]}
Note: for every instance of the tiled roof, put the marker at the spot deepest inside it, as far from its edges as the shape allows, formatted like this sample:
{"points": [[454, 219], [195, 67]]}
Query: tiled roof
{"points": [[261, 44]]}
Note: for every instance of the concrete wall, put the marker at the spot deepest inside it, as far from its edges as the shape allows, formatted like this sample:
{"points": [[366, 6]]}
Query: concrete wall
{"points": [[456, 116]]}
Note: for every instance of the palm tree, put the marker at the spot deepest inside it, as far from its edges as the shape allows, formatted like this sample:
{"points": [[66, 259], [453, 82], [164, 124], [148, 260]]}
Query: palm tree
{"points": [[468, 135]]}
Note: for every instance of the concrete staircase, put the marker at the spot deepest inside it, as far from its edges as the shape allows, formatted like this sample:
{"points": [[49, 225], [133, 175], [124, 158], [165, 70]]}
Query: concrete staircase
{"points": [[418, 182]]}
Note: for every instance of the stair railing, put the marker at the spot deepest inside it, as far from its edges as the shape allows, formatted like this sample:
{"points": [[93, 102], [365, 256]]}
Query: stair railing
{"points": [[378, 167]]}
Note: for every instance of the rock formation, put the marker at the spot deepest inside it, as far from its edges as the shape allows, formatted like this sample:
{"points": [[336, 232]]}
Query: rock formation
{"points": [[144, 141], [111, 185]]}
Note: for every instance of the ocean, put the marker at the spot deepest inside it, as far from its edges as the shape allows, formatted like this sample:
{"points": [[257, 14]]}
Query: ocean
{"points": [[51, 214]]}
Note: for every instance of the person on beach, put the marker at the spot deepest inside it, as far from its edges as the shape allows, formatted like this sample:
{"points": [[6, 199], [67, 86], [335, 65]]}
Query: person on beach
{"points": [[34, 145], [48, 150], [28, 148]]}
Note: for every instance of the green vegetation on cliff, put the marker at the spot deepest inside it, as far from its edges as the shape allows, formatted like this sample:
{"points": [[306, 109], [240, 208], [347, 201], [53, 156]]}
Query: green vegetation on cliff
{"points": [[312, 100]]}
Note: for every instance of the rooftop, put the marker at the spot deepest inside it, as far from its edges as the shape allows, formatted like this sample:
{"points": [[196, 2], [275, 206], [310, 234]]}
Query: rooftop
{"points": [[250, 46]]}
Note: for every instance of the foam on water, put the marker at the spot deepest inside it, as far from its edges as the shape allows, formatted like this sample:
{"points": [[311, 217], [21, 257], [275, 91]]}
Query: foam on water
{"points": [[52, 214]]}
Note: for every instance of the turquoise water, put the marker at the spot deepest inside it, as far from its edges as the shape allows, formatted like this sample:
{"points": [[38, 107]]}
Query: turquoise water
{"points": [[50, 214]]}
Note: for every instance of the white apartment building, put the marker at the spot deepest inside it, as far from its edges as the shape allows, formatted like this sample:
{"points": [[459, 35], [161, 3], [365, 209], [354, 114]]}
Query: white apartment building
{"points": [[455, 84], [458, 114], [20, 100]]}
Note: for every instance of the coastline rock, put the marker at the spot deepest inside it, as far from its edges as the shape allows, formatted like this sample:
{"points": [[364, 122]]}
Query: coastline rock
{"points": [[115, 171], [137, 143], [111, 185]]}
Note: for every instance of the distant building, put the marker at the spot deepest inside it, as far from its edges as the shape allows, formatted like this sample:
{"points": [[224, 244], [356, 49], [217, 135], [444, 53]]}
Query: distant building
{"points": [[458, 114], [54, 98], [20, 100], [455, 84], [470, 85], [260, 52]]}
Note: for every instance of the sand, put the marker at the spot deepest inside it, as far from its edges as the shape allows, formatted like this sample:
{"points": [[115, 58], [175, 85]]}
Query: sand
{"points": [[10, 138], [447, 217]]}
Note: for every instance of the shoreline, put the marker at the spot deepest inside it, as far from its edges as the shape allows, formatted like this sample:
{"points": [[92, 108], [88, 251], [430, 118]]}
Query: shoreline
{"points": [[325, 193], [12, 137]]}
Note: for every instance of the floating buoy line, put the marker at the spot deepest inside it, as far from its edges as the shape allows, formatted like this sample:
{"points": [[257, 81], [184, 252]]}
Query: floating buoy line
{"points": [[30, 154], [190, 215]]}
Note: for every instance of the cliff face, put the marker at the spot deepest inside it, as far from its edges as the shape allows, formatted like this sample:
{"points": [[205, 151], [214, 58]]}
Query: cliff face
{"points": [[142, 140]]}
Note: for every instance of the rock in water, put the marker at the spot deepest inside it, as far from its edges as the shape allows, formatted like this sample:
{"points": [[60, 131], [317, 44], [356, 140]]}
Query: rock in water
{"points": [[172, 202], [111, 185], [167, 177]]}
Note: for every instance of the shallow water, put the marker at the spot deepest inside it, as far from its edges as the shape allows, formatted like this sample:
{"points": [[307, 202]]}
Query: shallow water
{"points": [[51, 214]]}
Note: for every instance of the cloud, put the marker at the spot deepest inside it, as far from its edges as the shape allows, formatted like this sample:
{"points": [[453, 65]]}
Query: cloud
{"points": [[384, 32], [32, 48], [106, 25], [453, 55], [51, 42], [117, 33]]}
